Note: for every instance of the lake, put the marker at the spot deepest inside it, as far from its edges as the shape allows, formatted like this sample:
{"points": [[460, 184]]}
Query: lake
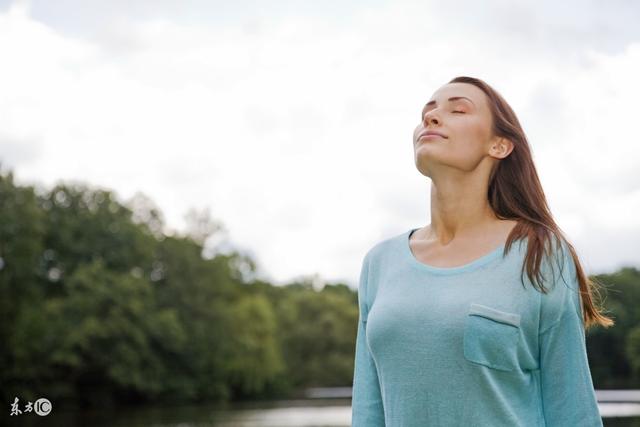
{"points": [[619, 408]]}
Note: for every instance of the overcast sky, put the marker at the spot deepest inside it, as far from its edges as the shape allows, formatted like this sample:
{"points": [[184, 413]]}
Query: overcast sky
{"points": [[292, 121]]}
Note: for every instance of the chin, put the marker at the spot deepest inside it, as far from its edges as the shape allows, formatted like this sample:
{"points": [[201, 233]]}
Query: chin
{"points": [[423, 167]]}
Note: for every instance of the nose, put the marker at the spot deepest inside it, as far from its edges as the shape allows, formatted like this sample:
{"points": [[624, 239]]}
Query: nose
{"points": [[430, 118]]}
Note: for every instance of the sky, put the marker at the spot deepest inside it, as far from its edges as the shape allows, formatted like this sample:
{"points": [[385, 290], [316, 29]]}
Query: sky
{"points": [[291, 122]]}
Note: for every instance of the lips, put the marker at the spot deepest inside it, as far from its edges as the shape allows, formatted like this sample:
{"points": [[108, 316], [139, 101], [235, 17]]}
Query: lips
{"points": [[431, 133]]}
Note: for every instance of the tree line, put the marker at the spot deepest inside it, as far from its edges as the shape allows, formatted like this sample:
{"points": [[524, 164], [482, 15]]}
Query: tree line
{"points": [[98, 303]]}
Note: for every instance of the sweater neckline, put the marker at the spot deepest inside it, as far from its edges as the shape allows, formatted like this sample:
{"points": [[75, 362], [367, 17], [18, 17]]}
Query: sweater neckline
{"points": [[476, 263]]}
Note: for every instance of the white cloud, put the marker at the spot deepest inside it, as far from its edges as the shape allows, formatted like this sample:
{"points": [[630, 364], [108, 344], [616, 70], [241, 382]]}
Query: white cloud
{"points": [[296, 130]]}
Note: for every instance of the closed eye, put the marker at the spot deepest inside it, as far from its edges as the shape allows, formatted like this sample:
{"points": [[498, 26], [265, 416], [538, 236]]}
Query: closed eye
{"points": [[460, 112]]}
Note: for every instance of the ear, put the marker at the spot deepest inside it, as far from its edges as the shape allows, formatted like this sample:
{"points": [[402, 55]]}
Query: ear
{"points": [[501, 147]]}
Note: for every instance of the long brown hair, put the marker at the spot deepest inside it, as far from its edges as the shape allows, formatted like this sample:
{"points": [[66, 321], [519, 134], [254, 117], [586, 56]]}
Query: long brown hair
{"points": [[515, 193]]}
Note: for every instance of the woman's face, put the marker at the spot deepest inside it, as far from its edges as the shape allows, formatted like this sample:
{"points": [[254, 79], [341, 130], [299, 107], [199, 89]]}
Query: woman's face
{"points": [[460, 112]]}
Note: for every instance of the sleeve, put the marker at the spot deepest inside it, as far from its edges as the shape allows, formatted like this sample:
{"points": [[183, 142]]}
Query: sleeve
{"points": [[366, 399], [568, 396]]}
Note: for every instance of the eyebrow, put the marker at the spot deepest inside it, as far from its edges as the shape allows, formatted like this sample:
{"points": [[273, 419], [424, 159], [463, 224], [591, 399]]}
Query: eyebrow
{"points": [[453, 98]]}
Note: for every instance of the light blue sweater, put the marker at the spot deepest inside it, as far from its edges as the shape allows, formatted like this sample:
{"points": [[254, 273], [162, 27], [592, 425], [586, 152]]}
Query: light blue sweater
{"points": [[469, 345]]}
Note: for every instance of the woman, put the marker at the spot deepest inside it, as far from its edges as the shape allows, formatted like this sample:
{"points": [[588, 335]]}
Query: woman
{"points": [[451, 331]]}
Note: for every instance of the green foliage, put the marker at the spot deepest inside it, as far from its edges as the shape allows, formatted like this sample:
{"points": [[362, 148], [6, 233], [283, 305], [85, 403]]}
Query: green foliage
{"points": [[633, 351], [318, 332], [84, 225], [98, 305], [254, 344], [613, 353], [110, 323]]}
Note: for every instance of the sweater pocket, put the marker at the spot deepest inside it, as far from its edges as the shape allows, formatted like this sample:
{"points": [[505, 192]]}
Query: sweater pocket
{"points": [[491, 337]]}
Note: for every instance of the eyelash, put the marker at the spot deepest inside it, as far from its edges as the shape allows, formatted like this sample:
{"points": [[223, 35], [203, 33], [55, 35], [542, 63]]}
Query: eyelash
{"points": [[461, 112]]}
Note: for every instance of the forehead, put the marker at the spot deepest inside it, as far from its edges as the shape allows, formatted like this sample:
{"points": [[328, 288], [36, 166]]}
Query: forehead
{"points": [[459, 89]]}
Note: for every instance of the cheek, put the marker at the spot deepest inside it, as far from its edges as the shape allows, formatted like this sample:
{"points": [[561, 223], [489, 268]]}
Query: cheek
{"points": [[469, 141], [472, 130], [471, 136]]}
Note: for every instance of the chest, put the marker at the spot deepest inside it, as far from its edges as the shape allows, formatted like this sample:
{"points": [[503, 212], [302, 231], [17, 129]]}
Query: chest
{"points": [[482, 318]]}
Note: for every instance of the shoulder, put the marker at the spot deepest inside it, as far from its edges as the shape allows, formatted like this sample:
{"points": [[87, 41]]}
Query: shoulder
{"points": [[381, 249], [562, 295], [560, 265], [377, 258]]}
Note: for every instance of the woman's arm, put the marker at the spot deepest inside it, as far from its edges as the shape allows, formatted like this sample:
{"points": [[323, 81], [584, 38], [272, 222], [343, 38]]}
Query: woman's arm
{"points": [[366, 402], [568, 396]]}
